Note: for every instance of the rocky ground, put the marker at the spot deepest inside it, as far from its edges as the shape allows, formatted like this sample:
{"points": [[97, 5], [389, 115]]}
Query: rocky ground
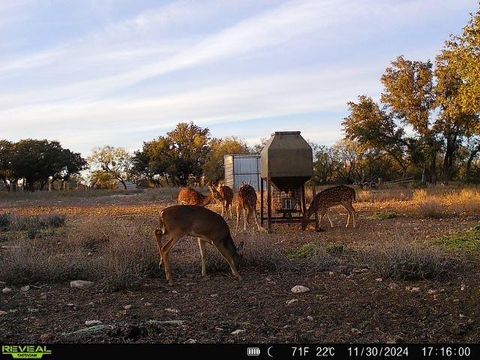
{"points": [[346, 301]]}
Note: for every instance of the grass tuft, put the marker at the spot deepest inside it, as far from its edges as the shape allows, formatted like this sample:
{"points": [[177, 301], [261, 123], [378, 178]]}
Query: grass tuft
{"points": [[468, 241], [407, 262]]}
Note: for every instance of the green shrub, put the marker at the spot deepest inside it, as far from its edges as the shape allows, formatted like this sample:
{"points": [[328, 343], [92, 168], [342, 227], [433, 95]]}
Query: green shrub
{"points": [[463, 241]]}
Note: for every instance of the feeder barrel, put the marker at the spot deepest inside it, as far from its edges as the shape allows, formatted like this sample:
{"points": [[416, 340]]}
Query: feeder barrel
{"points": [[287, 159]]}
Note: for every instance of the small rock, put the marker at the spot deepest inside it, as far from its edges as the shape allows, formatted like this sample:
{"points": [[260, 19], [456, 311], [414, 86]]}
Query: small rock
{"points": [[148, 304], [412, 289], [298, 289], [13, 310], [175, 311], [81, 284], [355, 331], [3, 312], [394, 340], [89, 331], [191, 341], [6, 290], [378, 279], [25, 288], [432, 291], [219, 329], [32, 310], [46, 337], [213, 295], [310, 318], [166, 322], [127, 307], [456, 300], [289, 302], [392, 286], [330, 273], [92, 322], [70, 305], [89, 253], [238, 331], [462, 287]]}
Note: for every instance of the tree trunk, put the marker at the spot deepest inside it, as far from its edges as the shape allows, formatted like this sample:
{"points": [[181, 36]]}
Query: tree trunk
{"points": [[472, 156], [449, 158], [123, 183]]}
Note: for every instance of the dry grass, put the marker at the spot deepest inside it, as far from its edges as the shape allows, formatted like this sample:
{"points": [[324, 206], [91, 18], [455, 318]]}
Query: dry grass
{"points": [[406, 261], [113, 244], [372, 196], [117, 253]]}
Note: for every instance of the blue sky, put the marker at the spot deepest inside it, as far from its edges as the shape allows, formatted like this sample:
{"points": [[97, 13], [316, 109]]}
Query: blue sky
{"points": [[118, 72]]}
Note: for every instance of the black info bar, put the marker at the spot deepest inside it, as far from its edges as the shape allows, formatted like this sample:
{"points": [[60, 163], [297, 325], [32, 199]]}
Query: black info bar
{"points": [[237, 351]]}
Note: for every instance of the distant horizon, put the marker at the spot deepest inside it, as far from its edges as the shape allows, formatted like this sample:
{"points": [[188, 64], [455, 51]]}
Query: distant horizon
{"points": [[96, 73]]}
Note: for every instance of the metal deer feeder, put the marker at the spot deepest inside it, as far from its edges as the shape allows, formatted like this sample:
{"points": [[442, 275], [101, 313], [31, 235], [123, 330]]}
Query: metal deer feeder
{"points": [[287, 164]]}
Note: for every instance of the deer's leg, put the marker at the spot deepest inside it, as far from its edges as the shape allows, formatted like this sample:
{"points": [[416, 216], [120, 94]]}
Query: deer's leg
{"points": [[165, 251], [246, 215], [260, 229], [318, 225], [351, 213], [201, 245], [238, 219], [227, 256], [351, 210], [158, 236], [223, 208], [330, 220]]}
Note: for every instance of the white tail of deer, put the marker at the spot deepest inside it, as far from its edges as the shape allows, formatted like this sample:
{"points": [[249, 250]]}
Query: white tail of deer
{"points": [[178, 221]]}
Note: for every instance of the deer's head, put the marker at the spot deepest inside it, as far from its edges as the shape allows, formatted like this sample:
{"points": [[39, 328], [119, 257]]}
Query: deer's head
{"points": [[238, 258], [306, 217]]}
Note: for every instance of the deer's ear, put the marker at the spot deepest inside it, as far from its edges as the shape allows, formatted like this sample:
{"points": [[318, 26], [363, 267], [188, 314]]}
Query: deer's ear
{"points": [[240, 247]]}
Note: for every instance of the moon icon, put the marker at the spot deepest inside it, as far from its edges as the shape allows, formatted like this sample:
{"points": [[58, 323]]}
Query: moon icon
{"points": [[268, 351]]}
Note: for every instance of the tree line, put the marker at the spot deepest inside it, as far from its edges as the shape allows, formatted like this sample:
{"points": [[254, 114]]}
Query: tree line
{"points": [[425, 125]]}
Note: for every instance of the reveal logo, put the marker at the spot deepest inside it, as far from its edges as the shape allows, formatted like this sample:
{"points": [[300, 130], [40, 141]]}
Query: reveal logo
{"points": [[25, 351]]}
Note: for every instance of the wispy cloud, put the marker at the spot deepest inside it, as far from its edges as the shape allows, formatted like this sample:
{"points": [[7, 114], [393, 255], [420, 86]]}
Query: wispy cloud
{"points": [[148, 66]]}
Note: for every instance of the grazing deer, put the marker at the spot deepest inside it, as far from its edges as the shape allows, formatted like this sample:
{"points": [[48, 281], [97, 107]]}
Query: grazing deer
{"points": [[209, 227], [337, 195], [189, 196], [224, 194], [247, 201]]}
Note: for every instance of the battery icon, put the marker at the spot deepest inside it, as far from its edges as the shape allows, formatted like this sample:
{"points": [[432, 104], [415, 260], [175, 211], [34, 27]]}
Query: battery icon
{"points": [[253, 351]]}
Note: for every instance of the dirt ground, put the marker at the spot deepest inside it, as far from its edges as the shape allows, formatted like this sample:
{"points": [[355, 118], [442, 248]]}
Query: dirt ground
{"points": [[352, 303]]}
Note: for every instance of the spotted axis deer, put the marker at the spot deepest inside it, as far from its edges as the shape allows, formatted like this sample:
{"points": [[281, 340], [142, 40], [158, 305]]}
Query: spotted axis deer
{"points": [[224, 194], [324, 200], [190, 196], [178, 221], [247, 201]]}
